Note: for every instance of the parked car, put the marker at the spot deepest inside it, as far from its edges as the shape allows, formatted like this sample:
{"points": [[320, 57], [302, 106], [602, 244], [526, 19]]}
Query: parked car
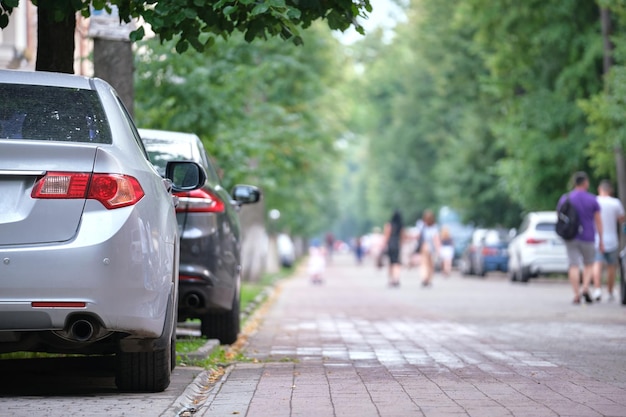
{"points": [[286, 250], [210, 254], [537, 249], [486, 251], [88, 234]]}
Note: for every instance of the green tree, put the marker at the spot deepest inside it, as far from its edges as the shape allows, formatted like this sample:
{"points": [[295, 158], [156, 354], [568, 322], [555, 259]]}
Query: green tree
{"points": [[605, 110], [184, 20], [542, 58], [264, 110]]}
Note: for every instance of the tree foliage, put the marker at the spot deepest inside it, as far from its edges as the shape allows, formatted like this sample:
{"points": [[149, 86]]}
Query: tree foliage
{"points": [[264, 110], [198, 23], [476, 104]]}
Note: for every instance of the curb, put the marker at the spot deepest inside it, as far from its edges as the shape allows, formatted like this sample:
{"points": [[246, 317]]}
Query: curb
{"points": [[204, 351], [213, 344]]}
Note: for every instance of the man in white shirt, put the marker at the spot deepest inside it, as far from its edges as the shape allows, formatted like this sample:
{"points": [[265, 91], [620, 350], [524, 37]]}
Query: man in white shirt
{"points": [[612, 213]]}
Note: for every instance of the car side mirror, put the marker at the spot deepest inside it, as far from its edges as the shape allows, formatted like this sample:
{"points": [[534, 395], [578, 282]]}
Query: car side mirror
{"points": [[185, 175], [245, 194]]}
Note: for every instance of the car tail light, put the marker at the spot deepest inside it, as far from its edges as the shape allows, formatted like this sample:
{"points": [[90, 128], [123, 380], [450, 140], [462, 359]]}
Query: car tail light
{"points": [[189, 278], [534, 241], [112, 190], [199, 201], [490, 251]]}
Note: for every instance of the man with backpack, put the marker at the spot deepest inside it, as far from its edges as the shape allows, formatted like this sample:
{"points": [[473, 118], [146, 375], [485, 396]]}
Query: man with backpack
{"points": [[581, 245]]}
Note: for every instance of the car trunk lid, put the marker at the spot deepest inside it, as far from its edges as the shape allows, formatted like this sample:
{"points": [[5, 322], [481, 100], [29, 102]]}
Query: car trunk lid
{"points": [[28, 220]]}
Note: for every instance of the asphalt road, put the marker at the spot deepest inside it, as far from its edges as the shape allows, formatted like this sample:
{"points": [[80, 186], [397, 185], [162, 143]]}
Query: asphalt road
{"points": [[466, 346]]}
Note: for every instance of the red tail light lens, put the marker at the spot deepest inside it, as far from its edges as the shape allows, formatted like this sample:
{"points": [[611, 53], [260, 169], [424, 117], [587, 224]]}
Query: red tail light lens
{"points": [[115, 191], [112, 190], [199, 201], [189, 278], [533, 241], [490, 252]]}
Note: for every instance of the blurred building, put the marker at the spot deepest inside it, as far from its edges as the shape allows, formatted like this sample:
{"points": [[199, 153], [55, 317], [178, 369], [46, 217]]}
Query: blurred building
{"points": [[18, 41]]}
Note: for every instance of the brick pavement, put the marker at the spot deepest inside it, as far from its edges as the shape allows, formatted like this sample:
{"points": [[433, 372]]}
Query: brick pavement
{"points": [[465, 347]]}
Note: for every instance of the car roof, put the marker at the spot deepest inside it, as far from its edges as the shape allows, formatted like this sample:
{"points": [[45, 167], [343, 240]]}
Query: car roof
{"points": [[45, 78], [543, 214]]}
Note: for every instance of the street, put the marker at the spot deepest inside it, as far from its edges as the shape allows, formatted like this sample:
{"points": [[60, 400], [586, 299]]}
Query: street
{"points": [[353, 347], [463, 347]]}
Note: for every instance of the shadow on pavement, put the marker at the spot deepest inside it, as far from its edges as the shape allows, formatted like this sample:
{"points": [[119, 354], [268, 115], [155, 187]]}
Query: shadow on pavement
{"points": [[58, 376]]}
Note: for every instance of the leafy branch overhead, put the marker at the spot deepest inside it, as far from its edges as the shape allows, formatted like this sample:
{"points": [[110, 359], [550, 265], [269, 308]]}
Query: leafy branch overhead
{"points": [[198, 22]]}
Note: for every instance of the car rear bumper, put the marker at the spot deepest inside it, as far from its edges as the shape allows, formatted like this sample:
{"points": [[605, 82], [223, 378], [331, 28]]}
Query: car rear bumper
{"points": [[120, 272], [197, 298], [497, 265], [556, 266]]}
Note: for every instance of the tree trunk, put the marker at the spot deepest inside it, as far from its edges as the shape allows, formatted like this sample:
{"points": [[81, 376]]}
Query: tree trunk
{"points": [[113, 62], [55, 42], [620, 161], [607, 31]]}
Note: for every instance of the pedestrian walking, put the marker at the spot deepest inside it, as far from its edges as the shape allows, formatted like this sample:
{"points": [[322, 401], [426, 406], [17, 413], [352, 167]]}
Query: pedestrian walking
{"points": [[359, 250], [581, 249], [447, 251], [612, 214], [330, 246], [430, 245], [317, 264], [394, 235]]}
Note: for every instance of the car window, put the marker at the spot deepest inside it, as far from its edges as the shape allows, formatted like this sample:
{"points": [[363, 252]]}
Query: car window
{"points": [[546, 227], [211, 172], [131, 125], [494, 237], [52, 113], [160, 151]]}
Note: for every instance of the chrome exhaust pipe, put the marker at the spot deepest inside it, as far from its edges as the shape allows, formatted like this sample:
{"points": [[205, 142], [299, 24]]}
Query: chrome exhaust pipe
{"points": [[82, 330], [193, 300]]}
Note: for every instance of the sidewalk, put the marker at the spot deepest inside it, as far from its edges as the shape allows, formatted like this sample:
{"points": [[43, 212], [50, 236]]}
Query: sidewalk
{"points": [[465, 347]]}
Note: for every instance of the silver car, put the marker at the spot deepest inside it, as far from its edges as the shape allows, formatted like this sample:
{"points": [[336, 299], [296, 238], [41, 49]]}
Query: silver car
{"points": [[89, 241]]}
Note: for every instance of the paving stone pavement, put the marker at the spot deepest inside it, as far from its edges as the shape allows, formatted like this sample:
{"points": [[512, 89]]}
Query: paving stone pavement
{"points": [[466, 346]]}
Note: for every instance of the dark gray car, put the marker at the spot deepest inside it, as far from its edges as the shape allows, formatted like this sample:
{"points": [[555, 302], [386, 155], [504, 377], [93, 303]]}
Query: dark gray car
{"points": [[210, 254]]}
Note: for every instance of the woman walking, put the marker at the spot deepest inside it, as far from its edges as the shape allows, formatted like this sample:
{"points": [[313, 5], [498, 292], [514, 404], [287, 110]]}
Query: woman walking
{"points": [[394, 235], [430, 247], [446, 251]]}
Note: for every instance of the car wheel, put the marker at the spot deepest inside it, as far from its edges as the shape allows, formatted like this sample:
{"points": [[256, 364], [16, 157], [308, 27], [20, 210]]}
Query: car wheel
{"points": [[144, 371], [513, 275], [525, 274], [222, 326], [173, 352]]}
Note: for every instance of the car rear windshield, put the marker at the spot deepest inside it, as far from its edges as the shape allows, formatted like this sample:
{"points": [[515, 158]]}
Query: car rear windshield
{"points": [[546, 227], [161, 151], [36, 112]]}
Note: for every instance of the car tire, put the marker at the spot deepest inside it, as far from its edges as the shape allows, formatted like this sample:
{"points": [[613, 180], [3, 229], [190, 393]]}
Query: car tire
{"points": [[173, 352], [513, 275], [223, 326], [144, 371], [525, 274]]}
